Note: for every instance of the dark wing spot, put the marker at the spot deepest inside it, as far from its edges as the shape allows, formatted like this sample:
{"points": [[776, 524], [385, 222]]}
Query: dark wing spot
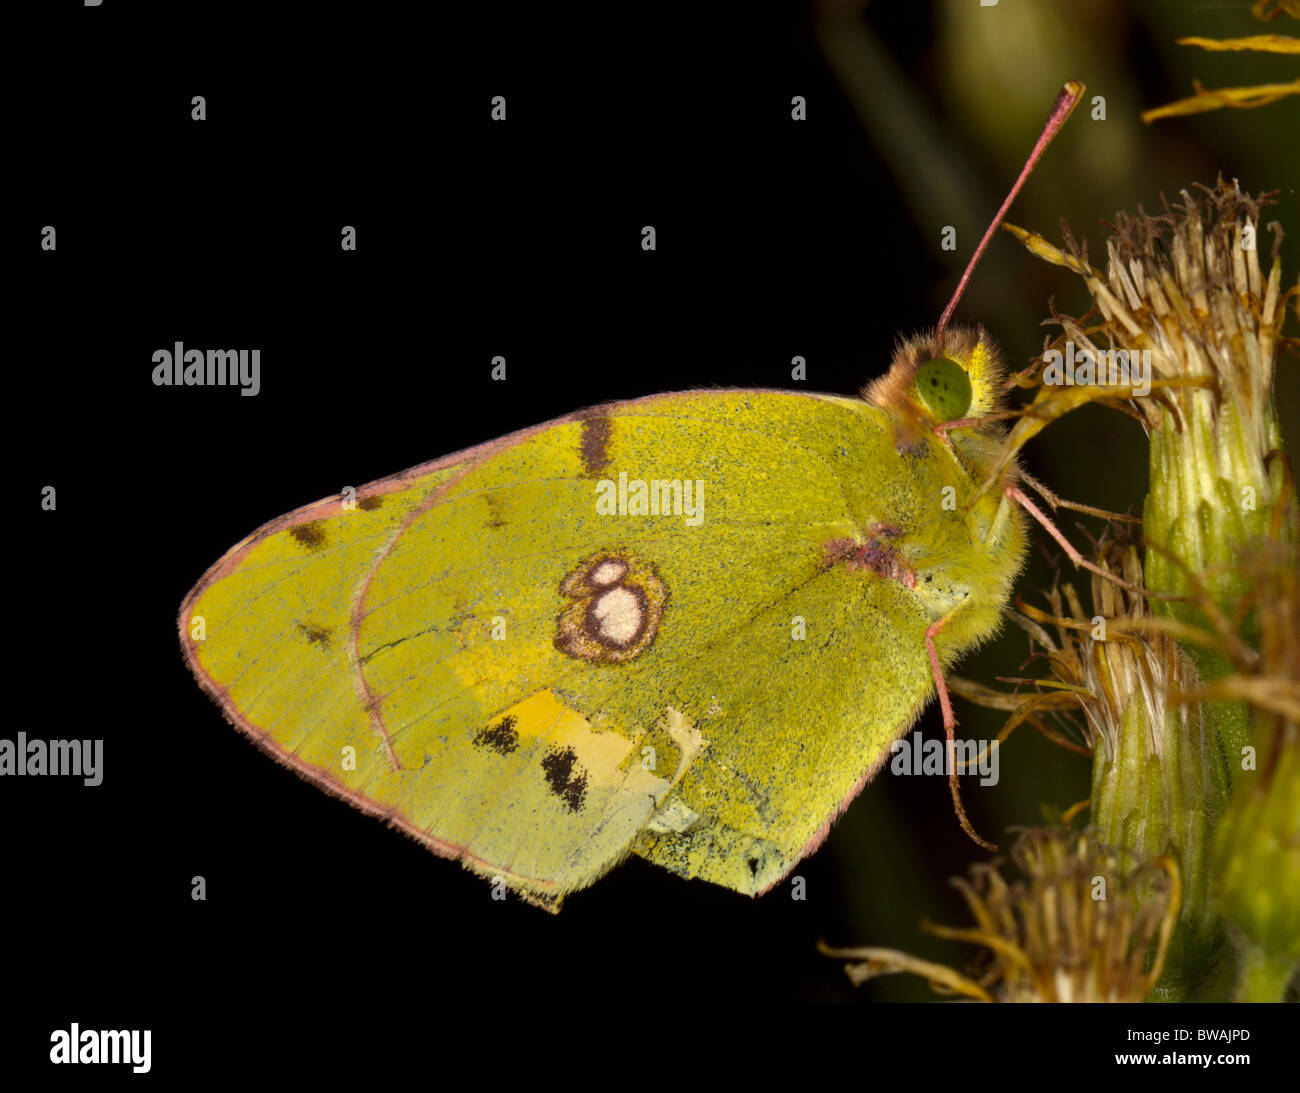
{"points": [[568, 780], [311, 535], [496, 512], [753, 866], [501, 737], [595, 444], [368, 504], [316, 633]]}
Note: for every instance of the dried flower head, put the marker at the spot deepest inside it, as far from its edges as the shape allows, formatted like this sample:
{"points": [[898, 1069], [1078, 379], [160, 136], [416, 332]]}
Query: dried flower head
{"points": [[1187, 286], [1084, 922], [1159, 781]]}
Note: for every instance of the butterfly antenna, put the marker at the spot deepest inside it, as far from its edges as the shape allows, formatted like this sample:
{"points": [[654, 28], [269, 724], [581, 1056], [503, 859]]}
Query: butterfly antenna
{"points": [[1064, 106]]}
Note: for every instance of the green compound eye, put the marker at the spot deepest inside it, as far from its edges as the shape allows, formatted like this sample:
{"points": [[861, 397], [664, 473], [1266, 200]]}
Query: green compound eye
{"points": [[945, 388]]}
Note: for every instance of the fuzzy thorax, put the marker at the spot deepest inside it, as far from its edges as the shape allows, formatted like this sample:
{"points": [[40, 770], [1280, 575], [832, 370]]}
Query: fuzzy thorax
{"points": [[964, 568]]}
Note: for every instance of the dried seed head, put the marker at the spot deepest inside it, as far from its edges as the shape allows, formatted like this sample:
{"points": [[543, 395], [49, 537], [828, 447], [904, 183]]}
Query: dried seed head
{"points": [[1083, 923]]}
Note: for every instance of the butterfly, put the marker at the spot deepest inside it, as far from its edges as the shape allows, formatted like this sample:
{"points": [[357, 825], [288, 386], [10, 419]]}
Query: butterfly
{"points": [[687, 627]]}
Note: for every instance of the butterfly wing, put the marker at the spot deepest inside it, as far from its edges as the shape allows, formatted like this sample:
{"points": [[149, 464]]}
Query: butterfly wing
{"points": [[529, 662]]}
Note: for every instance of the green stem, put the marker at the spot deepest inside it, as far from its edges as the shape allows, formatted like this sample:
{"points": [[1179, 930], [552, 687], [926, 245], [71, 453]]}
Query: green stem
{"points": [[1161, 794]]}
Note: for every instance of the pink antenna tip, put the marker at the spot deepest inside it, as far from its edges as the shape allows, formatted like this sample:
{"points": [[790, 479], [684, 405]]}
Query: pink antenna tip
{"points": [[1066, 101]]}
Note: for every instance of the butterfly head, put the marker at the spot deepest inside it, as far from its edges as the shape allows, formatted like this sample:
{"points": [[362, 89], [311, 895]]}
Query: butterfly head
{"points": [[957, 376]]}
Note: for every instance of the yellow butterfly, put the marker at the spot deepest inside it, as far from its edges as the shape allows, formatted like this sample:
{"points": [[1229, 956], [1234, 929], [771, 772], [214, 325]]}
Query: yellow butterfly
{"points": [[687, 627]]}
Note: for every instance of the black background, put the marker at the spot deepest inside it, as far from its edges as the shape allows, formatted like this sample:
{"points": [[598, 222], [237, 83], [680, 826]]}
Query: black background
{"points": [[475, 239]]}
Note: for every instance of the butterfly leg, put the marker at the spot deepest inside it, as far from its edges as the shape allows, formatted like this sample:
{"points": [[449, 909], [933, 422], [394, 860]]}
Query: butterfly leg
{"points": [[950, 725], [1021, 498]]}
